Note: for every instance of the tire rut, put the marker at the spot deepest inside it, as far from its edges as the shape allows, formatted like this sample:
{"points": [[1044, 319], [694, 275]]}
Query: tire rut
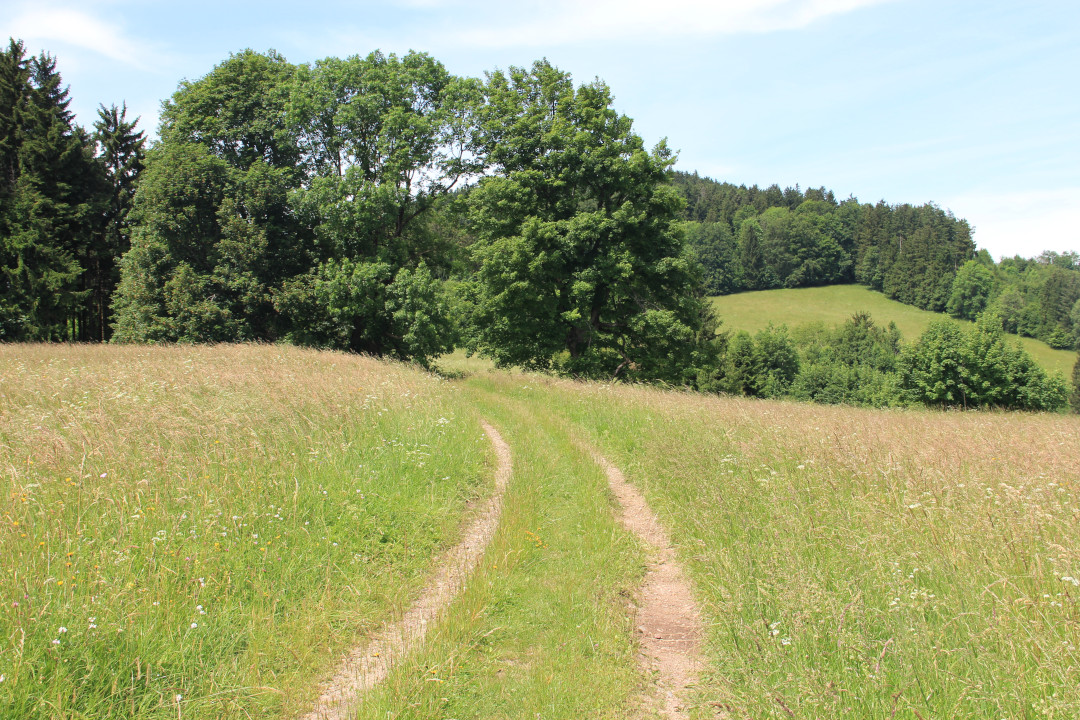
{"points": [[668, 618], [368, 665]]}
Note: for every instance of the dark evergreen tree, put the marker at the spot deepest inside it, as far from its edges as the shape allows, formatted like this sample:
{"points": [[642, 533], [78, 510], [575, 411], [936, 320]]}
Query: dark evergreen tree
{"points": [[121, 154], [49, 204], [1074, 398]]}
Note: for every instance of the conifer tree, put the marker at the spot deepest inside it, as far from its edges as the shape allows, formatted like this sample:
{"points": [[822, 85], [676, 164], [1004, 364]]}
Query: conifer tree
{"points": [[121, 154], [47, 205]]}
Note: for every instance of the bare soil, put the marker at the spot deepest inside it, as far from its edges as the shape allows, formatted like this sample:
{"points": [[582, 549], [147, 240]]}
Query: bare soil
{"points": [[668, 618], [368, 665]]}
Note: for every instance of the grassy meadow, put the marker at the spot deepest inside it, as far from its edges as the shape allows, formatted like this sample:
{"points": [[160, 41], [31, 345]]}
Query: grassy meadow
{"points": [[200, 532], [833, 304], [860, 563]]}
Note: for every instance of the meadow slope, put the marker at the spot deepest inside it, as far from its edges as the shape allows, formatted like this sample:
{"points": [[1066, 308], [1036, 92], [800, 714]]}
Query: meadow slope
{"points": [[203, 531], [833, 304]]}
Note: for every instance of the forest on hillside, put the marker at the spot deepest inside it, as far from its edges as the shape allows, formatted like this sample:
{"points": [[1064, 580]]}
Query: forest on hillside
{"points": [[748, 238], [380, 204]]}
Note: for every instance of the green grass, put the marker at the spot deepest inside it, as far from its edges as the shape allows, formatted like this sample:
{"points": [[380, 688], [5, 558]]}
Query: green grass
{"points": [[213, 527], [543, 628], [834, 304], [204, 530], [858, 563]]}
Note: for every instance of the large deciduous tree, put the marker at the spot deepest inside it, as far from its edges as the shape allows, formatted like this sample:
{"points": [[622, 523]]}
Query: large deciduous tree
{"points": [[382, 138], [971, 290], [288, 202], [581, 263], [215, 233]]}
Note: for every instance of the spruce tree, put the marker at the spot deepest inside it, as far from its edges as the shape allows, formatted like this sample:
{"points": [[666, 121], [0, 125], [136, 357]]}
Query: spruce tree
{"points": [[48, 204], [14, 87], [121, 154]]}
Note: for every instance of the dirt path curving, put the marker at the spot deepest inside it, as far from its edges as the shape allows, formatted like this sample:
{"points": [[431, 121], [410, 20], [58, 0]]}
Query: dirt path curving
{"points": [[668, 618], [369, 665]]}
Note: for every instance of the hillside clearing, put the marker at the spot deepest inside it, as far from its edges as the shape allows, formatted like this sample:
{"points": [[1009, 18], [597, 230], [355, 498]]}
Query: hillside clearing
{"points": [[833, 304]]}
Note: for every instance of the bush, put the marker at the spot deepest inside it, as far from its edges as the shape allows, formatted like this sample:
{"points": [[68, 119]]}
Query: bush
{"points": [[977, 368]]}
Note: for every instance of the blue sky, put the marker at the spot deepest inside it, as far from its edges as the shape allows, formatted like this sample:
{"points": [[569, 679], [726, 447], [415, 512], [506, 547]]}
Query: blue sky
{"points": [[974, 105]]}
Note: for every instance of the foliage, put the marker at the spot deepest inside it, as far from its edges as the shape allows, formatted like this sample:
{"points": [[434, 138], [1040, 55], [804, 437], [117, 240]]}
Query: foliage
{"points": [[853, 364], [794, 238], [370, 307], [50, 196], [1074, 398], [580, 256], [951, 367], [121, 154], [765, 364], [287, 202], [970, 290]]}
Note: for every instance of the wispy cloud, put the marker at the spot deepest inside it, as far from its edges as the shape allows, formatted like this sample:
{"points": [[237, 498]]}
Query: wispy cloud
{"points": [[77, 28], [568, 21]]}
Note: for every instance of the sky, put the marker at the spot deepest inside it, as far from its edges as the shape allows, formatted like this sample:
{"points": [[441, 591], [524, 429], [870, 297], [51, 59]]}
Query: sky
{"points": [[971, 104]]}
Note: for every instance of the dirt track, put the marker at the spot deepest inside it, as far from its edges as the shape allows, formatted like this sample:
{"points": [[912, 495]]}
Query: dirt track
{"points": [[367, 665], [668, 618]]}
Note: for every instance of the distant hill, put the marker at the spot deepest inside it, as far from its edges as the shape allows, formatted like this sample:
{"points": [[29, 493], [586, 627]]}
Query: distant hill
{"points": [[833, 304], [752, 238]]}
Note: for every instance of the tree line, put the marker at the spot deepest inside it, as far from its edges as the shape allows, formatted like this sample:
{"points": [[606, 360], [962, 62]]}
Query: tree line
{"points": [[64, 197], [380, 204], [748, 238], [860, 363]]}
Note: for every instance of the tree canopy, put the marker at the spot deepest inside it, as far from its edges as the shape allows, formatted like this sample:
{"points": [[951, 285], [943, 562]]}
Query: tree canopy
{"points": [[579, 251]]}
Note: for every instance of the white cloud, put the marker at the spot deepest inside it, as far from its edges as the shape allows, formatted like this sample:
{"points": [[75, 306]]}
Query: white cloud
{"points": [[567, 21], [1022, 223], [79, 29]]}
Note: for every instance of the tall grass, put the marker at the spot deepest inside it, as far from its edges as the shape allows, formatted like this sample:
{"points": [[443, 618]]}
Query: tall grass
{"points": [[856, 563], [200, 532], [543, 629]]}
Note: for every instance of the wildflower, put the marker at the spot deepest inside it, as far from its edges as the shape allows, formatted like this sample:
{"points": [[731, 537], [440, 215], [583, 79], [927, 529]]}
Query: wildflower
{"points": [[785, 641], [56, 641], [104, 474], [194, 625], [62, 629]]}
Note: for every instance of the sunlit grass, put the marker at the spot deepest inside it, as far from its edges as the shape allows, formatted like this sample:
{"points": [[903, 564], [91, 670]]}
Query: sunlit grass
{"points": [[544, 628], [202, 531], [858, 563], [832, 305]]}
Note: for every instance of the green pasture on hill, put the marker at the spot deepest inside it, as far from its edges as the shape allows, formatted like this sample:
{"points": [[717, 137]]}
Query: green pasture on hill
{"points": [[833, 304]]}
